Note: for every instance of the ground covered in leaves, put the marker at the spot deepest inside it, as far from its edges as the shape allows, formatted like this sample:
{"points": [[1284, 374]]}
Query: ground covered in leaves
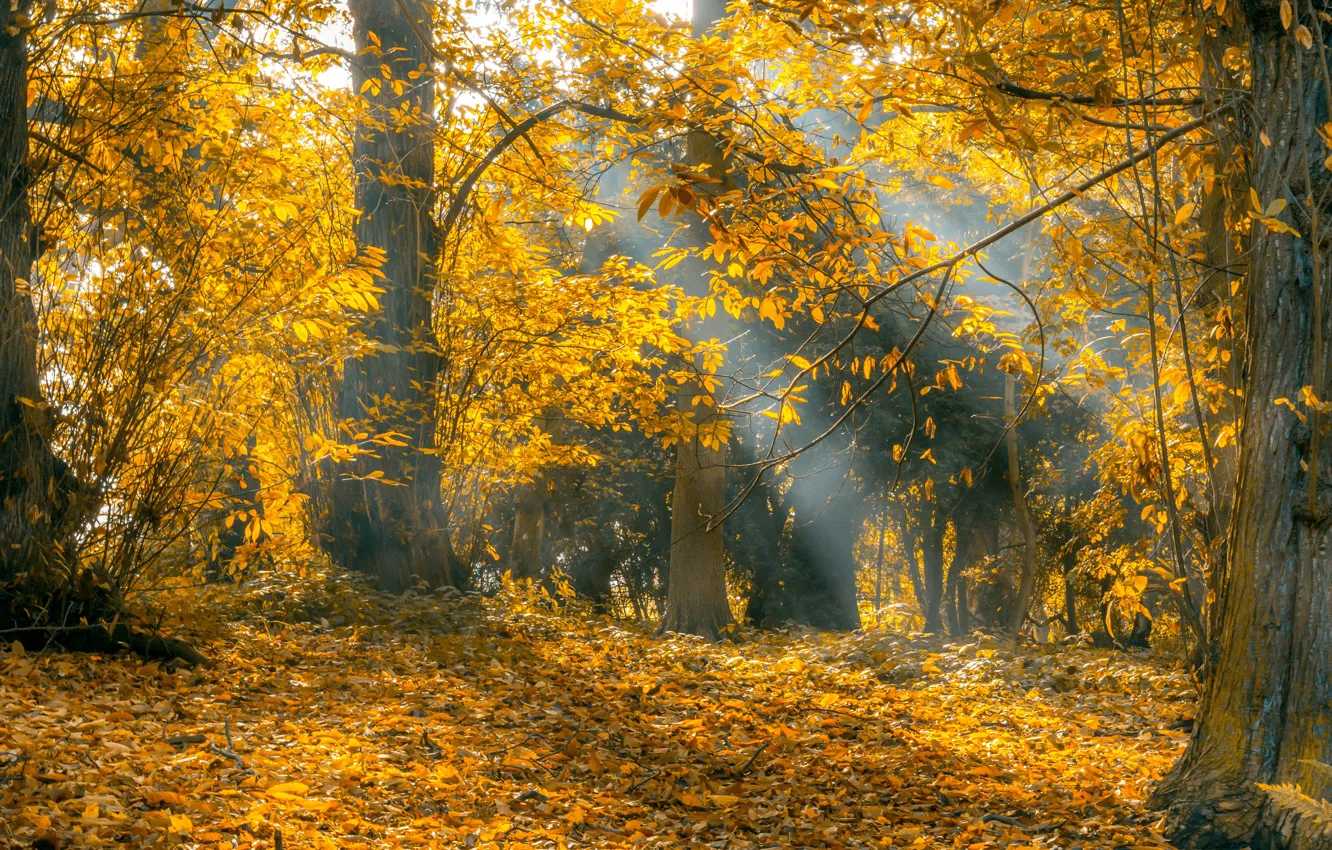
{"points": [[466, 723]]}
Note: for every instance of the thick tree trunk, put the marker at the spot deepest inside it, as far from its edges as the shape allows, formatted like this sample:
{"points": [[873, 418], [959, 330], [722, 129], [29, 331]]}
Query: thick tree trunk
{"points": [[1266, 715], [387, 518], [696, 601], [38, 582]]}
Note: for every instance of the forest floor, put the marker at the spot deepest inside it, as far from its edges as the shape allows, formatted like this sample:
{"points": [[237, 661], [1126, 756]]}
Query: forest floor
{"points": [[475, 724]]}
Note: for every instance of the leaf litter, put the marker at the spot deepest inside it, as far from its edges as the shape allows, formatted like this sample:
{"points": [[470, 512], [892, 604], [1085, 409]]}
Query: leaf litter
{"points": [[470, 723]]}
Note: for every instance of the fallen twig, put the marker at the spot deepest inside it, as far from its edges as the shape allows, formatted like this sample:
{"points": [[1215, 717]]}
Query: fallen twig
{"points": [[1004, 819], [744, 768], [230, 751]]}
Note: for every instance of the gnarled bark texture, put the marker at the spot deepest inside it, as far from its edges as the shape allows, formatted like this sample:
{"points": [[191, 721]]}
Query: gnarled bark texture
{"points": [[1266, 715], [392, 526]]}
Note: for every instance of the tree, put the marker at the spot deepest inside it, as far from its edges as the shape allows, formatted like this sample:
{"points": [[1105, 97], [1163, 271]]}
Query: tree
{"points": [[696, 601], [38, 583], [1267, 706], [387, 519]]}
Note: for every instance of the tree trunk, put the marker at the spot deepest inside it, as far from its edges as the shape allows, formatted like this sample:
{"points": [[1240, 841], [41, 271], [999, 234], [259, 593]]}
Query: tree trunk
{"points": [[913, 539], [1267, 707], [881, 532], [1027, 583], [529, 518], [987, 599], [38, 581], [696, 601], [956, 615], [387, 517], [1068, 561], [529, 529], [931, 557]]}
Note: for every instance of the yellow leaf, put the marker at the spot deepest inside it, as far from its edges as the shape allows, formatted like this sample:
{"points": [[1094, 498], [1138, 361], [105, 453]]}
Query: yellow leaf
{"points": [[789, 664], [1304, 37], [1183, 213], [940, 181], [166, 798], [1287, 14], [645, 202]]}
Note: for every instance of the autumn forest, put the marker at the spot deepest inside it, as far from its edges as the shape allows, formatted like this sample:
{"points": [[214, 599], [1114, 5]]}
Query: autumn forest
{"points": [[644, 423]]}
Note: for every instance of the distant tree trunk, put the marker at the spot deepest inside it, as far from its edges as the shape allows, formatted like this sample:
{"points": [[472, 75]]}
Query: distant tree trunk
{"points": [[37, 579], [387, 517], [529, 528], [529, 518], [881, 532], [1068, 561], [932, 569], [913, 539], [1267, 708], [987, 598], [957, 620], [696, 601], [1027, 583]]}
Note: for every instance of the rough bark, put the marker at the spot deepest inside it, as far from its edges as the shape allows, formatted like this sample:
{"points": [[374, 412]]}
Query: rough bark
{"points": [[39, 582], [387, 519], [696, 601], [1266, 715]]}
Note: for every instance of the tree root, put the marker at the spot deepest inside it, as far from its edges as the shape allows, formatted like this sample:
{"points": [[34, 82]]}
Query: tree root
{"points": [[98, 638]]}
